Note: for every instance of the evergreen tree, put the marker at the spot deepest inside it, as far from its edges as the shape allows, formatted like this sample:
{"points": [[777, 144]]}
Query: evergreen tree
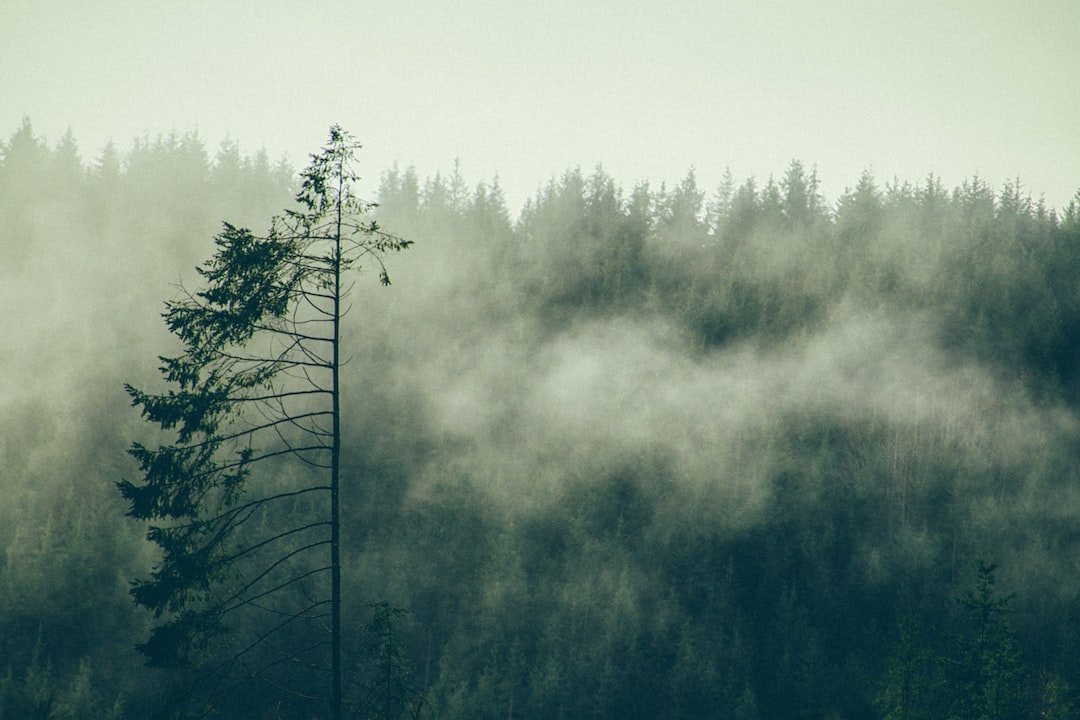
{"points": [[911, 690], [742, 216], [988, 678], [801, 204], [860, 212], [251, 573], [387, 689], [67, 166], [680, 222]]}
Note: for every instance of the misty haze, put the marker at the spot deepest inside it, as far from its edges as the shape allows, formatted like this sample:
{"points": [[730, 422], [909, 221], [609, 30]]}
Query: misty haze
{"points": [[631, 450]]}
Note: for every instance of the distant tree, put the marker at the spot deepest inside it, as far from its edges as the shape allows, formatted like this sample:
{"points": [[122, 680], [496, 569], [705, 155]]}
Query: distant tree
{"points": [[23, 158], [1070, 220], [988, 675], [105, 178], [249, 581], [912, 687], [719, 206], [458, 189], [771, 204], [435, 194], [860, 212], [67, 166], [976, 674], [976, 201], [25, 162], [681, 213], [742, 215], [859, 218], [802, 203], [399, 192], [387, 689]]}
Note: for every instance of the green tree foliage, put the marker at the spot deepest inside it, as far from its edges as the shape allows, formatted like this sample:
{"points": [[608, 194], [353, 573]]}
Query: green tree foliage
{"points": [[607, 464], [802, 205], [386, 679], [65, 561], [987, 674], [912, 687], [257, 384], [583, 244], [973, 673], [680, 214], [37, 694], [862, 513]]}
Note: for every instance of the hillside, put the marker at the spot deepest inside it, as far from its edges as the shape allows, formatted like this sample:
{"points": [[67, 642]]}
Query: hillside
{"points": [[657, 452]]}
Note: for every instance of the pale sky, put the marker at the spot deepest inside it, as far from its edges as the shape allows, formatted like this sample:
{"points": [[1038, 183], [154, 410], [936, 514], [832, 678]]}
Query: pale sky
{"points": [[526, 90]]}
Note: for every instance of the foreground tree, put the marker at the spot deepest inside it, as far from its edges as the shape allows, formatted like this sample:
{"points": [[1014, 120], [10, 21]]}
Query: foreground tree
{"points": [[249, 581]]}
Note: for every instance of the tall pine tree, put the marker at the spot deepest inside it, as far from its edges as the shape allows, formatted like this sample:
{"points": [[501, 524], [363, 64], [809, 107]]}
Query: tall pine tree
{"points": [[249, 581]]}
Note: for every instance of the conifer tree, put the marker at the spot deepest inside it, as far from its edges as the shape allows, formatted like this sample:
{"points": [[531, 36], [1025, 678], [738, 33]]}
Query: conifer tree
{"points": [[990, 679], [912, 689], [249, 581]]}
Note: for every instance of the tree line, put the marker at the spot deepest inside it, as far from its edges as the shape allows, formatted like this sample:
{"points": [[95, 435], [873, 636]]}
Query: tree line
{"points": [[882, 531]]}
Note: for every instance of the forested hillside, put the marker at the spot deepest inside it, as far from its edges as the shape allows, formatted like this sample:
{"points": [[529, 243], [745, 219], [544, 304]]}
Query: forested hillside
{"points": [[635, 452]]}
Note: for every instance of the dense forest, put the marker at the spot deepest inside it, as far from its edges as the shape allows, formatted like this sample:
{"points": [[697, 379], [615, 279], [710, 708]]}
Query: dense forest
{"points": [[657, 452]]}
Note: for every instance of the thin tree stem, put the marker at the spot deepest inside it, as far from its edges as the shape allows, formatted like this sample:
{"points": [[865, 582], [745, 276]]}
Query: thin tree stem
{"points": [[335, 463]]}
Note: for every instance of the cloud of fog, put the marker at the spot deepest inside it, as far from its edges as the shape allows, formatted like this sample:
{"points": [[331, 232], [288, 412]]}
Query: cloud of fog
{"points": [[456, 378], [529, 411]]}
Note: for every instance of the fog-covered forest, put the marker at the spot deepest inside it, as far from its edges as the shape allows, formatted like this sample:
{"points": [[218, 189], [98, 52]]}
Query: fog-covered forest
{"points": [[631, 452]]}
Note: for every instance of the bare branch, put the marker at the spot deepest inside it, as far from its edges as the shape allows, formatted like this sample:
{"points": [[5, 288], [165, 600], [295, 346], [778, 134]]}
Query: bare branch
{"points": [[225, 606]]}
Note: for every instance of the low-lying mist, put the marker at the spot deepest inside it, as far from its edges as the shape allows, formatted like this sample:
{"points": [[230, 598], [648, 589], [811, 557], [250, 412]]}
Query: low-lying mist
{"points": [[661, 453], [528, 411]]}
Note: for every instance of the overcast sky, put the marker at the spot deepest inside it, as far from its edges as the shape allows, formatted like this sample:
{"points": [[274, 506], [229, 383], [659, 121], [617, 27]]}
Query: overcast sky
{"points": [[526, 90]]}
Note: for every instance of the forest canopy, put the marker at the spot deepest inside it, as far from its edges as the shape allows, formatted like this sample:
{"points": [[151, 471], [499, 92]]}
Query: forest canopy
{"points": [[634, 451]]}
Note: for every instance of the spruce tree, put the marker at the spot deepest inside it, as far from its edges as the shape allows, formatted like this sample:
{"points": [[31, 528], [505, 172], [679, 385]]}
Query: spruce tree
{"points": [[249, 580], [990, 681]]}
